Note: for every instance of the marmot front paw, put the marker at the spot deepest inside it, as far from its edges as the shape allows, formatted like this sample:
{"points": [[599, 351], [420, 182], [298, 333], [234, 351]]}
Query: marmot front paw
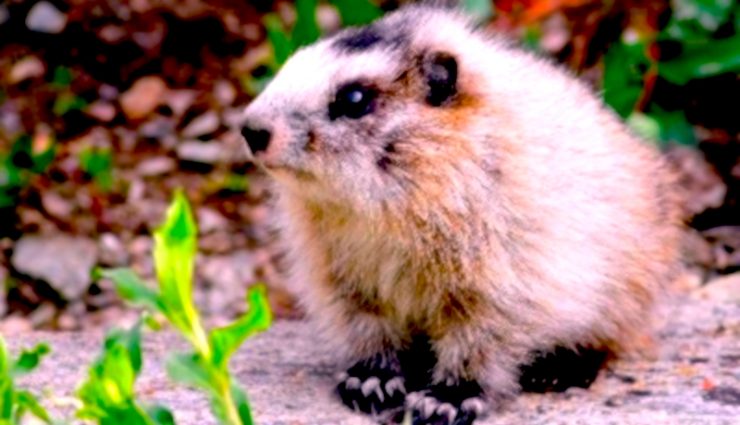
{"points": [[373, 385]]}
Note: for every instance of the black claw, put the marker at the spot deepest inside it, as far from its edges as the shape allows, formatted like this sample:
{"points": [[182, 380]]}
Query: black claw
{"points": [[460, 396], [366, 385], [561, 369]]}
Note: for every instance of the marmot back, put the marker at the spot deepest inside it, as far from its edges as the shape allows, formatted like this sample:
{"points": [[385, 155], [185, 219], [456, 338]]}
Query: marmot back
{"points": [[460, 214]]}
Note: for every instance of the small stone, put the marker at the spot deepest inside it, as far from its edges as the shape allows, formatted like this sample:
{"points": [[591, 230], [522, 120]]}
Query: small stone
{"points": [[210, 220], [111, 250], [144, 96], [43, 315], [56, 206], [112, 34], [201, 152], [157, 128], [14, 325], [180, 100], [156, 166], [102, 111], [202, 125], [44, 17], [108, 92], [224, 92], [65, 262], [28, 67]]}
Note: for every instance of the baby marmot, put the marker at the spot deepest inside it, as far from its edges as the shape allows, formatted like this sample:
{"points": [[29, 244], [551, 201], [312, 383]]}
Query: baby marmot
{"points": [[464, 220]]}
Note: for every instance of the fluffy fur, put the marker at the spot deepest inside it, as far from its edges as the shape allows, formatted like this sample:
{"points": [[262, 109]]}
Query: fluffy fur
{"points": [[517, 216]]}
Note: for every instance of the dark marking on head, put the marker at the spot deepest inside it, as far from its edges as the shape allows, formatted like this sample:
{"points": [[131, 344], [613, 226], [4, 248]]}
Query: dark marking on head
{"points": [[385, 161], [359, 40], [440, 73], [311, 144]]}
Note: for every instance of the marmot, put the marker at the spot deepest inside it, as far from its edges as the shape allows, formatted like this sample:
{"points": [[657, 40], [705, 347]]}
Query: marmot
{"points": [[464, 219]]}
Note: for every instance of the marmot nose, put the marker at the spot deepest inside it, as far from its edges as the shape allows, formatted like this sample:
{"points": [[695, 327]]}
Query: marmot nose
{"points": [[257, 138]]}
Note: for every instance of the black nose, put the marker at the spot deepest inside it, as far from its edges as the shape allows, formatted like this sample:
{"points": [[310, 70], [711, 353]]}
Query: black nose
{"points": [[257, 138]]}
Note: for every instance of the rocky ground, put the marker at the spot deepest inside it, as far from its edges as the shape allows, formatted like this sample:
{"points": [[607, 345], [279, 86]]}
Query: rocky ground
{"points": [[694, 379]]}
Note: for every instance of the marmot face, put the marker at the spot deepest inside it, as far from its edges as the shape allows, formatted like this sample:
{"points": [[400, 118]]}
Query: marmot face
{"points": [[364, 115]]}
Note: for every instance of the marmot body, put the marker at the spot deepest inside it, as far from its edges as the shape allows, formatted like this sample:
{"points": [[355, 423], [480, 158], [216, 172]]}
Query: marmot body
{"points": [[455, 209]]}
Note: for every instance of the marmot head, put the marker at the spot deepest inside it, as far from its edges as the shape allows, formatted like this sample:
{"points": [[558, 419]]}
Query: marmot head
{"points": [[364, 116]]}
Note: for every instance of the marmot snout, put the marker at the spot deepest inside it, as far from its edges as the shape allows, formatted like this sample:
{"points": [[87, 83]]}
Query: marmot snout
{"points": [[462, 218]]}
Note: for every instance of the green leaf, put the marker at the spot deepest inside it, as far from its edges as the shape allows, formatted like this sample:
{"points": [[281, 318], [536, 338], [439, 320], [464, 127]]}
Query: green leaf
{"points": [[4, 359], [703, 60], [28, 402], [67, 102], [160, 415], [624, 69], [131, 288], [357, 12], [306, 29], [674, 127], [175, 245], [190, 369], [242, 405], [481, 10], [705, 14], [98, 163], [644, 126], [29, 359], [278, 37], [226, 340], [63, 77]]}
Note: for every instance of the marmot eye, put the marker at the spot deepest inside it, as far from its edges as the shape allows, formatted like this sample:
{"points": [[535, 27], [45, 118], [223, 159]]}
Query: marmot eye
{"points": [[352, 101]]}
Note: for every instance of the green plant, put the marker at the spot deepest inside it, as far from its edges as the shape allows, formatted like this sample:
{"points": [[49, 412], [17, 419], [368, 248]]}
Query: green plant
{"points": [[305, 31], [24, 160], [98, 164], [15, 403], [706, 36], [108, 393], [66, 100], [206, 367]]}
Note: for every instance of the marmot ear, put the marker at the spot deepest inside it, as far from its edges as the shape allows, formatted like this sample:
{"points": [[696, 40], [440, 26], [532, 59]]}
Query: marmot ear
{"points": [[439, 70]]}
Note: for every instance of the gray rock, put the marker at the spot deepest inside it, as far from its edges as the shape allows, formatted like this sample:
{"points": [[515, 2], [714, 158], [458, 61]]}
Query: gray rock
{"points": [[202, 125], [4, 14], [288, 374], [201, 152], [44, 17], [156, 166], [112, 251], [62, 261]]}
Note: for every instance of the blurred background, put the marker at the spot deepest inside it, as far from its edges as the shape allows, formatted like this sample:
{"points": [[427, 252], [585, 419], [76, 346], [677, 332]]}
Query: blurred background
{"points": [[107, 106]]}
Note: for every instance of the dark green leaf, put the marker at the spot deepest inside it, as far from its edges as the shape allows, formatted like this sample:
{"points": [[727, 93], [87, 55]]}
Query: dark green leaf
{"points": [[624, 69], [28, 402], [278, 37], [62, 77], [703, 60], [67, 102], [160, 415], [29, 359], [306, 29], [674, 127], [242, 405], [357, 12]]}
